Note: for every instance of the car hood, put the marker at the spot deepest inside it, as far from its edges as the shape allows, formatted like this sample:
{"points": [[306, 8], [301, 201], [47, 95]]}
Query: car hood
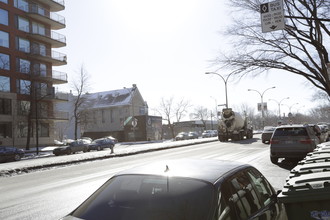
{"points": [[60, 148]]}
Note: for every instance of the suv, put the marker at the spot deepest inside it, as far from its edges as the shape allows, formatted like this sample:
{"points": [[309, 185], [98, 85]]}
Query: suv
{"points": [[184, 189], [292, 142]]}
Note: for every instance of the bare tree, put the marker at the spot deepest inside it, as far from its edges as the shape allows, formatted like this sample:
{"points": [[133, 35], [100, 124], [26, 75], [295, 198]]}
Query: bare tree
{"points": [[169, 110], [301, 48], [80, 86], [181, 108], [201, 113]]}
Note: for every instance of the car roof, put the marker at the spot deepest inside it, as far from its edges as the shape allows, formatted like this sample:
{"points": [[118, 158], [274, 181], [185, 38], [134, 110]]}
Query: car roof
{"points": [[206, 170], [293, 126]]}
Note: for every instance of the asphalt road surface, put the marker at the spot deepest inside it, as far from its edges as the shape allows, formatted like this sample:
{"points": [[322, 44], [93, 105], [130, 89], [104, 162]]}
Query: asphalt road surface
{"points": [[53, 193]]}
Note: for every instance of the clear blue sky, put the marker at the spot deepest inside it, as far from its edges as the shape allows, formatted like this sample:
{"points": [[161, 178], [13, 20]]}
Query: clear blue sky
{"points": [[164, 46]]}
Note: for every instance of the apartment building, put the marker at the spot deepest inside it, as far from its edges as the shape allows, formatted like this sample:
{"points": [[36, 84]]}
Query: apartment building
{"points": [[28, 34]]}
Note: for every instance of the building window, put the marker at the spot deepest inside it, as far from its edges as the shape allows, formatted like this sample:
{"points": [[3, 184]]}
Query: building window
{"points": [[4, 84], [21, 4], [23, 107], [43, 109], [40, 69], [4, 39], [4, 1], [4, 61], [44, 130], [23, 45], [5, 130], [24, 87], [24, 65], [41, 89], [38, 28], [23, 24], [3, 17], [22, 129], [5, 106], [39, 49]]}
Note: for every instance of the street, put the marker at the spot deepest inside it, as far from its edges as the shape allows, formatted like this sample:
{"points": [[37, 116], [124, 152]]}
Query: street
{"points": [[53, 193]]}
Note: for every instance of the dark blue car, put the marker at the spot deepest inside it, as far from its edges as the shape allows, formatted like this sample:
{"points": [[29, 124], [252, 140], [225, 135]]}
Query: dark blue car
{"points": [[101, 143], [10, 154]]}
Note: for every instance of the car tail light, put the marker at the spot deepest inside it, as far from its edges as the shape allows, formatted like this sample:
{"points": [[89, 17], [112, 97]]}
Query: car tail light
{"points": [[272, 141], [306, 141]]}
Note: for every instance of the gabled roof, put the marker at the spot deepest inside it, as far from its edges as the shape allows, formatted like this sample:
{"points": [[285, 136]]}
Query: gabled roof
{"points": [[111, 98]]}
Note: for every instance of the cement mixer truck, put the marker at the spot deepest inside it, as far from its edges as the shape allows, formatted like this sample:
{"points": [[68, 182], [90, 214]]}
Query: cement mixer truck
{"points": [[233, 126]]}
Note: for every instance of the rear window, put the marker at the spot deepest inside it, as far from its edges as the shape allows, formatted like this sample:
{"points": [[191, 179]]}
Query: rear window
{"points": [[292, 131], [149, 197]]}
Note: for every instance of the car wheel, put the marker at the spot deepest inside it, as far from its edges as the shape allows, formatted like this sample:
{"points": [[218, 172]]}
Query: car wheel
{"points": [[274, 160], [17, 157], [98, 148], [85, 150], [69, 152]]}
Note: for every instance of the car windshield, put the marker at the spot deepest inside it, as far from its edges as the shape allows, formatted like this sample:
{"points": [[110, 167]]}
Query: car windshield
{"points": [[292, 131], [149, 197], [98, 141]]}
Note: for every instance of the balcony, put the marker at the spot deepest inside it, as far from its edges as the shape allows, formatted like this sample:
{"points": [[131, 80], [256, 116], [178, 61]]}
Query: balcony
{"points": [[57, 96], [54, 5], [55, 21], [55, 39], [52, 76], [48, 55]]}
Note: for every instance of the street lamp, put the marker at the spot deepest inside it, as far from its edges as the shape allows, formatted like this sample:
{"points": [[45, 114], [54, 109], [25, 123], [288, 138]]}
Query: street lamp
{"points": [[262, 102], [290, 107], [225, 81], [279, 105]]}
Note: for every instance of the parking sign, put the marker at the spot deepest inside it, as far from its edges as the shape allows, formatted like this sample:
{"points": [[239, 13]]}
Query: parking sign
{"points": [[272, 16]]}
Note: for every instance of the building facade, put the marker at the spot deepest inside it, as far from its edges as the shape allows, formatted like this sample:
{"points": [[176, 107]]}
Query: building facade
{"points": [[103, 114], [28, 34]]}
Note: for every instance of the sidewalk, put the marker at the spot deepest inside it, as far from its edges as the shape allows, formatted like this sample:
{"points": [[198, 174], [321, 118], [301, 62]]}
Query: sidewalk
{"points": [[46, 159]]}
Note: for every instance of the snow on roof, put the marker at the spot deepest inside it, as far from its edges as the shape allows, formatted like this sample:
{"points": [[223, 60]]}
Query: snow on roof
{"points": [[109, 98]]}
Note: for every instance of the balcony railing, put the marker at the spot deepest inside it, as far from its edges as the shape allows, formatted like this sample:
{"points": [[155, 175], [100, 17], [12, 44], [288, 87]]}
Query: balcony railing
{"points": [[55, 20], [52, 37], [53, 76], [48, 55], [54, 5]]}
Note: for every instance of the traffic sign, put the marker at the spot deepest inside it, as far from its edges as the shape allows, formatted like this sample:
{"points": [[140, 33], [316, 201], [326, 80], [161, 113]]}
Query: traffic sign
{"points": [[134, 122], [272, 16]]}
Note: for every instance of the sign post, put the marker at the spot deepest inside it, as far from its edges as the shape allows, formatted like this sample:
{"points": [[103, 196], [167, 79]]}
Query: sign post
{"points": [[272, 16]]}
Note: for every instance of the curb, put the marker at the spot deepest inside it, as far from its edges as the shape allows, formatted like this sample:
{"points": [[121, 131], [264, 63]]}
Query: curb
{"points": [[28, 169]]}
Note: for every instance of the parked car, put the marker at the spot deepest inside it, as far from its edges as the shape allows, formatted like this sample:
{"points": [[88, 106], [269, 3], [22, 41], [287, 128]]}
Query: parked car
{"points": [[71, 148], [193, 135], [10, 154], [181, 136], [292, 142], [112, 138], [100, 144], [267, 134], [184, 189], [207, 133], [214, 133], [324, 135], [87, 140]]}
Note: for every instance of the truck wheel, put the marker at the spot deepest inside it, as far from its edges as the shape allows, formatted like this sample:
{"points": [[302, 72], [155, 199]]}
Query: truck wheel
{"points": [[274, 160]]}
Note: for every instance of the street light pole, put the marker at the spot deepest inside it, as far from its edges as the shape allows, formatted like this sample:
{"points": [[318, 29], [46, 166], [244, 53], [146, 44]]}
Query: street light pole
{"points": [[279, 105], [225, 81], [262, 102]]}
